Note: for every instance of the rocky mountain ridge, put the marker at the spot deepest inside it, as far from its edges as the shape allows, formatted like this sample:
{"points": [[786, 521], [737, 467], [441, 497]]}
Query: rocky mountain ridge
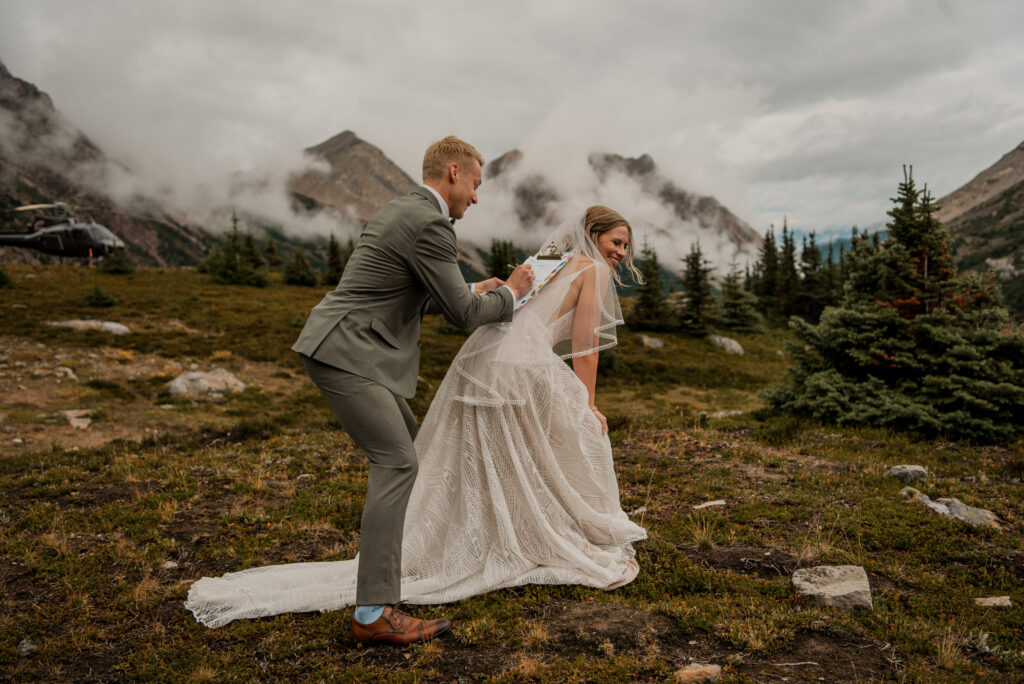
{"points": [[985, 218]]}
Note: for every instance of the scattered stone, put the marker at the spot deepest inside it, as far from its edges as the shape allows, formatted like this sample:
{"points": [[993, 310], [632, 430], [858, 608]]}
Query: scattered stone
{"points": [[78, 418], [651, 342], [166, 407], [709, 504], [698, 673], [18, 440], [839, 586], [169, 565], [638, 511], [953, 507], [26, 647], [908, 473], [726, 344], [304, 477], [198, 384], [994, 602], [725, 414], [105, 326], [65, 372]]}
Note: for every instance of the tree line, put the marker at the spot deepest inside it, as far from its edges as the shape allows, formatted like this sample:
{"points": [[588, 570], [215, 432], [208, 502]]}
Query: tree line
{"points": [[887, 335], [237, 260]]}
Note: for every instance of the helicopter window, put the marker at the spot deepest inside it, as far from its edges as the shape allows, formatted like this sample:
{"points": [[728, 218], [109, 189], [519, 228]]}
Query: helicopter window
{"points": [[79, 234]]}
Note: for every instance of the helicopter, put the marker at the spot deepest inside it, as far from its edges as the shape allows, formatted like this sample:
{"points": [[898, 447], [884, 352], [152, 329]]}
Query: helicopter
{"points": [[55, 230]]}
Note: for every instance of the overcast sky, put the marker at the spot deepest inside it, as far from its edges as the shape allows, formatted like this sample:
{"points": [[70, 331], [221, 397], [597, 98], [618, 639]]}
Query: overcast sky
{"points": [[798, 108]]}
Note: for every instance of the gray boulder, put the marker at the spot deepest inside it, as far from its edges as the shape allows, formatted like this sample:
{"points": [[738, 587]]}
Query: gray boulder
{"points": [[726, 344], [200, 385], [908, 473], [953, 507], [839, 586]]}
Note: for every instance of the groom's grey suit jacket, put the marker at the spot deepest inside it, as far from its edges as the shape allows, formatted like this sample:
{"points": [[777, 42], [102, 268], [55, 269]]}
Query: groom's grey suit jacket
{"points": [[404, 265]]}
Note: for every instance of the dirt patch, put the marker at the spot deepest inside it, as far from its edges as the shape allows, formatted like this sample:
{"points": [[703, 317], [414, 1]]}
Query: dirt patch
{"points": [[746, 560], [815, 657]]}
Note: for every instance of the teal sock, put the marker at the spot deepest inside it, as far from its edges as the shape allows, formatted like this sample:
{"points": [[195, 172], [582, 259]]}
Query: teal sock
{"points": [[368, 614]]}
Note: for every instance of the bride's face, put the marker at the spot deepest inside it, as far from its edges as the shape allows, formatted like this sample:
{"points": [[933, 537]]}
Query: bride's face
{"points": [[612, 244]]}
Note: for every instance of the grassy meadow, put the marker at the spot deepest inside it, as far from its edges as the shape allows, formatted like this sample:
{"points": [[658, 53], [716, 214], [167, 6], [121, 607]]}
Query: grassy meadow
{"points": [[103, 529]]}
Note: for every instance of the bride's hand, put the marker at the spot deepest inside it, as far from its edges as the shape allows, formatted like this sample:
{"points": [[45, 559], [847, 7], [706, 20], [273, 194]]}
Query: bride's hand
{"points": [[601, 419]]}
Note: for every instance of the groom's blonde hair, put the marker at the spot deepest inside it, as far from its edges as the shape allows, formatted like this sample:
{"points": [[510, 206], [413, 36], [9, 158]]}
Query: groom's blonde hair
{"points": [[445, 151]]}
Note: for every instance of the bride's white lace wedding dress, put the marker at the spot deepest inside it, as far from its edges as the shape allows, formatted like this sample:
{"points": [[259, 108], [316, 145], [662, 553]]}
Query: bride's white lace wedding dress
{"points": [[516, 483]]}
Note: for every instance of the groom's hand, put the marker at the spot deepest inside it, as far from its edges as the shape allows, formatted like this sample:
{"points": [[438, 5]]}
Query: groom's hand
{"points": [[488, 285], [521, 280]]}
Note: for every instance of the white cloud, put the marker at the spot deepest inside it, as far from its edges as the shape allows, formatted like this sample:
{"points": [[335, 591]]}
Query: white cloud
{"points": [[796, 108]]}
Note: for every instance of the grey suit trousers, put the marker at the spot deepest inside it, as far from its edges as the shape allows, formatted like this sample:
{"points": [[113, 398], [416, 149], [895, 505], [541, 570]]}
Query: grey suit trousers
{"points": [[382, 425]]}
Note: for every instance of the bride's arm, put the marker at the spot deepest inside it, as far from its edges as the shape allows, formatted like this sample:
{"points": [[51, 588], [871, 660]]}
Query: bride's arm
{"points": [[585, 321]]}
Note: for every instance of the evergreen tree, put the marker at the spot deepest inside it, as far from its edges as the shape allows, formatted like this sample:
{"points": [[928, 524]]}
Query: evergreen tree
{"points": [[788, 280], [696, 308], [236, 261], [912, 346], [273, 258], [813, 291], [650, 309], [502, 259], [765, 279], [737, 308], [335, 266], [299, 272]]}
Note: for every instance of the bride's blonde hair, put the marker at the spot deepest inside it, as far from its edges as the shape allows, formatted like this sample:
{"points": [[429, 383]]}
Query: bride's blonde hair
{"points": [[600, 219]]}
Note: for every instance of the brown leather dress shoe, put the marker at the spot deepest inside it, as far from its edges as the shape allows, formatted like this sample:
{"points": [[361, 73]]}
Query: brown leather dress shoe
{"points": [[395, 627]]}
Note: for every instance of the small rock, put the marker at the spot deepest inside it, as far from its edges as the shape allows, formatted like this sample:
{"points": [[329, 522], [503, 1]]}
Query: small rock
{"points": [[26, 646], [709, 504], [105, 326], [65, 372], [18, 440], [78, 418], [638, 511], [726, 344], [994, 602], [166, 407], [304, 477], [651, 342], [908, 473], [839, 586], [197, 384], [169, 565], [698, 673], [725, 414]]}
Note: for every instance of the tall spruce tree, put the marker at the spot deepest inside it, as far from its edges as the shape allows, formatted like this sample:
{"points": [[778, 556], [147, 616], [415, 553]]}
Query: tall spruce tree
{"points": [[650, 308], [736, 307], [299, 272], [813, 291], [912, 346], [765, 280], [335, 266], [788, 285], [273, 258], [695, 311], [236, 261]]}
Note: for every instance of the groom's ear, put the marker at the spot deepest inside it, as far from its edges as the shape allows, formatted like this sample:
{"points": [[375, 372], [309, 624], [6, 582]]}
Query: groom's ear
{"points": [[453, 172]]}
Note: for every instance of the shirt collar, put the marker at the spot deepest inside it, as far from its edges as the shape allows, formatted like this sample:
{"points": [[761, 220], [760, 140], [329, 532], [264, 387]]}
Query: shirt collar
{"points": [[440, 201]]}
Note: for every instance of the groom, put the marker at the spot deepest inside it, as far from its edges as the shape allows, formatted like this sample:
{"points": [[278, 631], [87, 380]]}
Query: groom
{"points": [[360, 346]]}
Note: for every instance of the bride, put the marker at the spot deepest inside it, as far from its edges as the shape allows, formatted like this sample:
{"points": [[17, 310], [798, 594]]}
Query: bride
{"points": [[516, 483]]}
